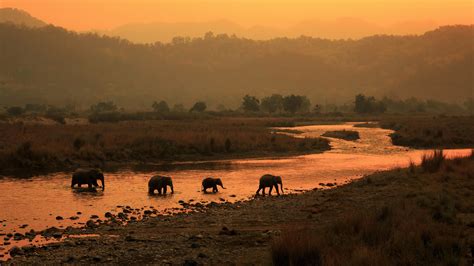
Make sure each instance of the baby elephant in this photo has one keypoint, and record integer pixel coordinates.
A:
(211, 183)
(87, 176)
(160, 183)
(270, 181)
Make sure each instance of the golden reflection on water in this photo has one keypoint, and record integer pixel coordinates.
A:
(37, 201)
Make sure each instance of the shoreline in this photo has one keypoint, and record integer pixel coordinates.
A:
(243, 232)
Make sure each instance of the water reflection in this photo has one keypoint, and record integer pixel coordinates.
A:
(39, 200)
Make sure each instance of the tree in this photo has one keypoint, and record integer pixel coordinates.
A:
(198, 107)
(296, 103)
(15, 110)
(103, 107)
(272, 104)
(366, 105)
(161, 107)
(250, 104)
(317, 109)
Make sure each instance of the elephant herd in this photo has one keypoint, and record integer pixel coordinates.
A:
(160, 183)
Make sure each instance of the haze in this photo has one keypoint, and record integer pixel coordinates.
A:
(107, 14)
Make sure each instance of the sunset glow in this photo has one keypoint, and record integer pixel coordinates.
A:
(106, 14)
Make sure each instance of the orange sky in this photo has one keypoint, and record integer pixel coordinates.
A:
(105, 14)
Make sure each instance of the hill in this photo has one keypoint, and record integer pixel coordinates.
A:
(20, 17)
(53, 65)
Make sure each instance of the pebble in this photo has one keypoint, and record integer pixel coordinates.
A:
(59, 218)
(94, 216)
(15, 251)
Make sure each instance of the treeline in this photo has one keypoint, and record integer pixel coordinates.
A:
(273, 105)
(54, 66)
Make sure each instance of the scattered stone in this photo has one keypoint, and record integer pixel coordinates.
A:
(147, 212)
(90, 224)
(221, 199)
(232, 196)
(6, 243)
(18, 237)
(202, 256)
(59, 218)
(94, 216)
(226, 231)
(108, 215)
(15, 251)
(190, 262)
(73, 218)
(23, 226)
(78, 213)
(57, 235)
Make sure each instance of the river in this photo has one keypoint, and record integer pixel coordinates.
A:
(36, 202)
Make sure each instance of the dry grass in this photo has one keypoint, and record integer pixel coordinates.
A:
(428, 221)
(56, 146)
(431, 132)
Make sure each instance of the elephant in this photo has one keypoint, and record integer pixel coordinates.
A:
(160, 183)
(270, 181)
(211, 183)
(87, 176)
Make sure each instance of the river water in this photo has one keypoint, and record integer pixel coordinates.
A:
(37, 201)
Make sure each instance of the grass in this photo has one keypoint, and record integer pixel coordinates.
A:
(37, 146)
(431, 131)
(342, 134)
(425, 217)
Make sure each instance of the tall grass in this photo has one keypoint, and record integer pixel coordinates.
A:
(432, 162)
(146, 141)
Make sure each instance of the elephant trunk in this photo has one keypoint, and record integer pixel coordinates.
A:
(222, 186)
(172, 190)
(281, 186)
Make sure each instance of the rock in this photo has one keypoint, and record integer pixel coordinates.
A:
(130, 238)
(232, 196)
(18, 237)
(221, 199)
(78, 213)
(94, 216)
(108, 215)
(190, 262)
(226, 231)
(147, 212)
(180, 201)
(57, 235)
(73, 218)
(23, 226)
(202, 256)
(90, 224)
(6, 243)
(16, 251)
(59, 218)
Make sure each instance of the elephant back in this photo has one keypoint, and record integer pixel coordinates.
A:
(267, 179)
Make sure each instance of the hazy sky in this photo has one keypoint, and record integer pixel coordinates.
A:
(106, 14)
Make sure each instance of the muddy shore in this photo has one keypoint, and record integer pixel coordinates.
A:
(242, 233)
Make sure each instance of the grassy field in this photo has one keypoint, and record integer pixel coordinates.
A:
(40, 147)
(431, 131)
(429, 221)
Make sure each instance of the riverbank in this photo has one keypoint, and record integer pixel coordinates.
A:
(44, 148)
(421, 214)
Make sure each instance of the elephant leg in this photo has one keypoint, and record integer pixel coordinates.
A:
(159, 191)
(278, 192)
(151, 190)
(263, 191)
(89, 185)
(215, 189)
(258, 190)
(164, 190)
(270, 191)
(79, 185)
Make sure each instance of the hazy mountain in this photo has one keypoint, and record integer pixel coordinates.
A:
(342, 28)
(20, 17)
(53, 65)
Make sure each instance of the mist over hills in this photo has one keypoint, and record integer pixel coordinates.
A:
(55, 66)
(341, 28)
(20, 17)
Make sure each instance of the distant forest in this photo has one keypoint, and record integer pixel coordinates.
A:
(50, 65)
